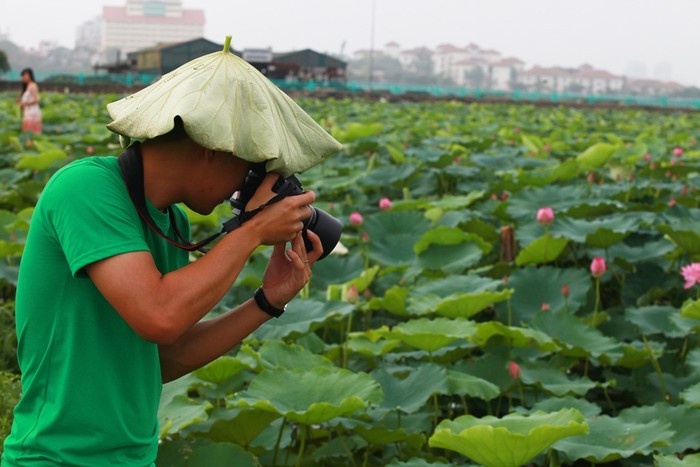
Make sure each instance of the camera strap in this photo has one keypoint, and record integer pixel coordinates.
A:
(131, 165)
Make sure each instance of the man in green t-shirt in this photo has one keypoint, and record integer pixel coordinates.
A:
(107, 309)
(109, 305)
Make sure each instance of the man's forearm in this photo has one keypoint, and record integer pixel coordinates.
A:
(209, 339)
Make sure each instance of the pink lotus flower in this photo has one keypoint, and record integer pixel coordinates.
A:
(385, 204)
(565, 290)
(672, 202)
(647, 157)
(598, 266)
(691, 274)
(513, 370)
(544, 307)
(678, 152)
(352, 295)
(89, 150)
(545, 216)
(356, 218)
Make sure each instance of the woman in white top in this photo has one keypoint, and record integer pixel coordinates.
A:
(29, 103)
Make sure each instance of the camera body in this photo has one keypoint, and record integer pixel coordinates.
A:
(327, 227)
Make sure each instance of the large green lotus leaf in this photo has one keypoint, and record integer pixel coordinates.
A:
(409, 394)
(220, 369)
(302, 317)
(449, 249)
(553, 404)
(40, 161)
(180, 412)
(310, 396)
(356, 130)
(468, 304)
(394, 301)
(452, 202)
(660, 320)
(554, 381)
(692, 359)
(431, 335)
(513, 336)
(649, 251)
(578, 339)
(276, 354)
(234, 424)
(691, 309)
(335, 269)
(596, 155)
(611, 438)
(543, 250)
(524, 205)
(510, 441)
(460, 383)
(456, 296)
(371, 343)
(683, 420)
(204, 453)
(393, 234)
(690, 460)
(687, 240)
(226, 105)
(692, 395)
(534, 287)
(379, 435)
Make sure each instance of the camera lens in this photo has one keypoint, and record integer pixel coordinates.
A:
(327, 227)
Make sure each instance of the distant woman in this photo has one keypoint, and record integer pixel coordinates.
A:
(29, 103)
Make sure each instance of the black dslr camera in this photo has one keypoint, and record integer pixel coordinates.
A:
(327, 227)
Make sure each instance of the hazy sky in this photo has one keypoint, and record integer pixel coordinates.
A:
(649, 38)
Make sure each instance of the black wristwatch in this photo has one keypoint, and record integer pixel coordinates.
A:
(265, 306)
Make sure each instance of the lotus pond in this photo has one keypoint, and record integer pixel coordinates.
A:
(508, 291)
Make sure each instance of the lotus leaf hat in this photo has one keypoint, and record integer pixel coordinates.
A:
(225, 104)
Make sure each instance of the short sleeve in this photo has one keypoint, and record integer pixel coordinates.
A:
(92, 217)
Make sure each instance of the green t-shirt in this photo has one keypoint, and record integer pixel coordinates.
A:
(90, 385)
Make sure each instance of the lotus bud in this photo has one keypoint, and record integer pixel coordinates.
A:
(513, 370)
(598, 267)
(545, 216)
(356, 218)
(385, 204)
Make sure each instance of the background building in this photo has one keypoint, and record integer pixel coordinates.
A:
(145, 23)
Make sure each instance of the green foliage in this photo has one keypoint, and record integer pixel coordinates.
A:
(459, 336)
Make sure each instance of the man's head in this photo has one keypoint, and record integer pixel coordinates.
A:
(183, 171)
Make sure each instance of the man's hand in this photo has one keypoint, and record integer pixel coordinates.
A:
(286, 274)
(281, 221)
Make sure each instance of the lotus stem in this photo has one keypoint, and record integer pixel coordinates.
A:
(227, 43)
(279, 440)
(304, 435)
(657, 368)
(597, 300)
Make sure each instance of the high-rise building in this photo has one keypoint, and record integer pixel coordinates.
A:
(144, 23)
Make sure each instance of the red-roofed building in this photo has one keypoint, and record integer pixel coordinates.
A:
(144, 23)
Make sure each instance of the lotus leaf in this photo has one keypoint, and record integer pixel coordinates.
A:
(276, 354)
(691, 460)
(691, 309)
(239, 425)
(514, 336)
(310, 396)
(683, 420)
(692, 395)
(181, 412)
(409, 394)
(302, 317)
(543, 250)
(220, 369)
(460, 383)
(510, 441)
(226, 105)
(392, 236)
(611, 438)
(204, 453)
(431, 335)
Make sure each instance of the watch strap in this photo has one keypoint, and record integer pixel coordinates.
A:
(265, 306)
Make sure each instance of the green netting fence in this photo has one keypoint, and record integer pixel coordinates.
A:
(129, 80)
